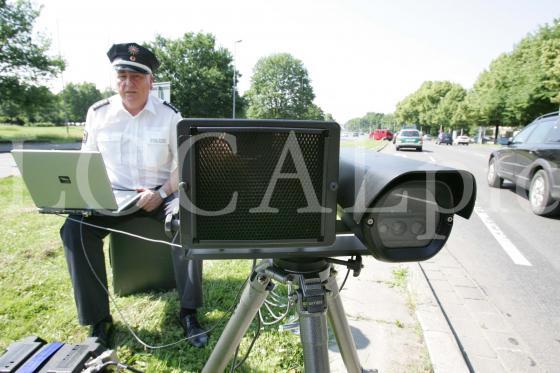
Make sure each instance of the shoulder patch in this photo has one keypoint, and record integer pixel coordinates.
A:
(171, 106)
(100, 104)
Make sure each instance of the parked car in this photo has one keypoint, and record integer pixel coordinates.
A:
(381, 134)
(462, 140)
(409, 138)
(444, 138)
(427, 137)
(531, 160)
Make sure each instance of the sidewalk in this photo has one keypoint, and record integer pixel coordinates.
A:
(486, 337)
(396, 329)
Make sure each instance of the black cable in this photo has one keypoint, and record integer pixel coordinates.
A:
(257, 335)
(346, 277)
(232, 369)
(127, 325)
(344, 282)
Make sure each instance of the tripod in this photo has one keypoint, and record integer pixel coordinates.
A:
(317, 295)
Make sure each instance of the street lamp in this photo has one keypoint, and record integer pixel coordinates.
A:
(234, 80)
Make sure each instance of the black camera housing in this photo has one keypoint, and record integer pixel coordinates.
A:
(257, 188)
(273, 188)
(402, 210)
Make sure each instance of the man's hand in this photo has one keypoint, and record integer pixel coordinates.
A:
(149, 199)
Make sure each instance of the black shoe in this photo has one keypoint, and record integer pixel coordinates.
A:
(102, 331)
(196, 335)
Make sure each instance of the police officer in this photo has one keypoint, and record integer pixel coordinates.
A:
(136, 134)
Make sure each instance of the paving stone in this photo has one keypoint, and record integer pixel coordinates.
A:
(441, 286)
(517, 361)
(450, 297)
(453, 310)
(455, 270)
(468, 292)
(475, 345)
(449, 358)
(434, 274)
(465, 325)
(492, 321)
(431, 319)
(461, 281)
(486, 365)
(479, 305)
(505, 340)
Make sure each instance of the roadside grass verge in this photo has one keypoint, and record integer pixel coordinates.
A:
(362, 143)
(36, 299)
(59, 134)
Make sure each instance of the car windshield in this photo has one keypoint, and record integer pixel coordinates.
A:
(409, 134)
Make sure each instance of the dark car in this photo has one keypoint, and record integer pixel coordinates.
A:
(530, 160)
(444, 138)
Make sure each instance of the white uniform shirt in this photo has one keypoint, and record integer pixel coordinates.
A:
(139, 151)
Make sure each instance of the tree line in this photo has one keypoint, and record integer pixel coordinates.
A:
(515, 88)
(201, 76)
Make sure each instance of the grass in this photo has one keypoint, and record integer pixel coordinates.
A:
(400, 276)
(61, 134)
(36, 299)
(362, 143)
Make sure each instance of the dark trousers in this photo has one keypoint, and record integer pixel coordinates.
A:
(91, 299)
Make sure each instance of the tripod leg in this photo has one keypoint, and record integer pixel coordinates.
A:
(339, 323)
(251, 300)
(314, 339)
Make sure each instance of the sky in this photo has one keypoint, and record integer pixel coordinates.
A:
(361, 55)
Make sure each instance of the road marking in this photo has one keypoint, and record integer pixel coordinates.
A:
(432, 159)
(500, 236)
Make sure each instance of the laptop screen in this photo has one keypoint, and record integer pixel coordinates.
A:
(66, 179)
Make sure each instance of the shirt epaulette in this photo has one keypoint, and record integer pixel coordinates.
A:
(100, 104)
(171, 106)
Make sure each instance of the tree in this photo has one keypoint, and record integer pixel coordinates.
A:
(370, 122)
(108, 92)
(24, 62)
(280, 88)
(77, 98)
(200, 74)
(433, 105)
(520, 85)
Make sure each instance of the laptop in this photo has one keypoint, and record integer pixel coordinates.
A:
(71, 182)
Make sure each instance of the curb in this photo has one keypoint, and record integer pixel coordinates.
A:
(445, 353)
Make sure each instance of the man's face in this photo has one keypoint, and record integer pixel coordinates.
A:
(134, 89)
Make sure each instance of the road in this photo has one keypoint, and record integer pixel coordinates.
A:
(511, 255)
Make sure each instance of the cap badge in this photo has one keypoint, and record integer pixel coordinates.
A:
(133, 50)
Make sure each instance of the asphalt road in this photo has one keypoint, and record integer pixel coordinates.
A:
(510, 253)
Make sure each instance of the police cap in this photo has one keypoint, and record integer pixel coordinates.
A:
(132, 57)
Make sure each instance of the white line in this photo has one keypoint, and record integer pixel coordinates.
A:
(500, 236)
(432, 159)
